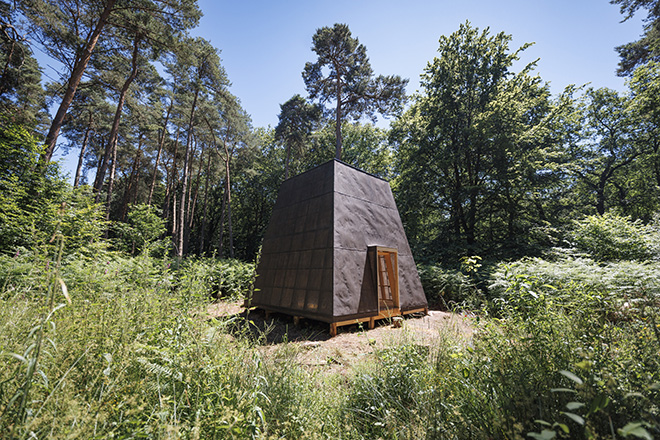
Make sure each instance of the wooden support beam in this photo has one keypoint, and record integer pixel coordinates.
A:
(424, 310)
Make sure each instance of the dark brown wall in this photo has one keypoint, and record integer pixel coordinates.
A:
(314, 257)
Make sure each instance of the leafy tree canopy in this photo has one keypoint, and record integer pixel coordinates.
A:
(342, 74)
(647, 48)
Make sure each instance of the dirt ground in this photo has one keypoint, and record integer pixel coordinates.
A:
(354, 343)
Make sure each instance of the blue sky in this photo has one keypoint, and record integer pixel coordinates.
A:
(265, 44)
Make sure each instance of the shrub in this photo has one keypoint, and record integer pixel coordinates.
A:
(449, 288)
(141, 231)
(229, 279)
(386, 400)
(31, 194)
(612, 237)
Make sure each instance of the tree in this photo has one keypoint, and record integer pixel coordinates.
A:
(200, 79)
(234, 132)
(297, 120)
(342, 73)
(609, 143)
(472, 147)
(69, 31)
(258, 176)
(365, 147)
(647, 48)
(29, 197)
(110, 155)
(86, 125)
(21, 93)
(645, 95)
(142, 36)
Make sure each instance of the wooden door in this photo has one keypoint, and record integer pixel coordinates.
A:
(388, 279)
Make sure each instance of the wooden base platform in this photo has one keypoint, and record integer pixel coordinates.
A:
(385, 314)
(372, 319)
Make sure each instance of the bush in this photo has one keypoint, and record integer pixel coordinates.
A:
(36, 204)
(598, 321)
(31, 194)
(612, 237)
(123, 347)
(622, 283)
(386, 400)
(141, 231)
(229, 279)
(448, 288)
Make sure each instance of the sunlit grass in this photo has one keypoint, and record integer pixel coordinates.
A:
(134, 356)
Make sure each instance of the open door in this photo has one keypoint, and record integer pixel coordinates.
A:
(387, 269)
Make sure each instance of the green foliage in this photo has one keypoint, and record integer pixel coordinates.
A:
(477, 152)
(229, 279)
(612, 237)
(342, 73)
(35, 202)
(364, 146)
(151, 362)
(143, 227)
(609, 147)
(297, 120)
(255, 190)
(645, 50)
(386, 399)
(21, 95)
(133, 353)
(449, 288)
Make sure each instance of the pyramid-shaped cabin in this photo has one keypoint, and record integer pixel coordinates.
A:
(335, 251)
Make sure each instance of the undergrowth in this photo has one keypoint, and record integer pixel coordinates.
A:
(101, 345)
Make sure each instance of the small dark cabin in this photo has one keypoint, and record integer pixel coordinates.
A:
(335, 251)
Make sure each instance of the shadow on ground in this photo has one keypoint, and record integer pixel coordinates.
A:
(279, 328)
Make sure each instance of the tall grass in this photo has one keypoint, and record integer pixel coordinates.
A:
(134, 355)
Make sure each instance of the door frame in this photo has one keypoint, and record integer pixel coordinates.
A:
(392, 271)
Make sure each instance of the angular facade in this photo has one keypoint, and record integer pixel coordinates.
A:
(335, 250)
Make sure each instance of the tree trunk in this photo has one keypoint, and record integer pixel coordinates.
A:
(136, 186)
(111, 149)
(228, 155)
(3, 79)
(132, 181)
(111, 182)
(161, 142)
(81, 158)
(286, 162)
(223, 209)
(171, 177)
(338, 122)
(202, 232)
(175, 226)
(190, 201)
(196, 192)
(600, 199)
(184, 185)
(76, 75)
(230, 230)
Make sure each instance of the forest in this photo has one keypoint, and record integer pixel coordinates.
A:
(536, 216)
